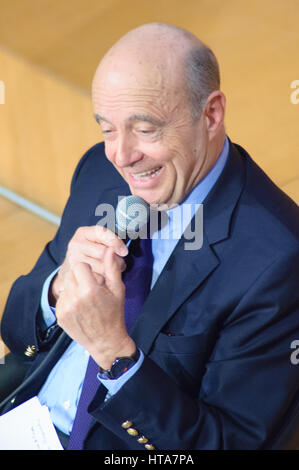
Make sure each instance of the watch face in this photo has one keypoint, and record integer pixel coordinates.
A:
(120, 366)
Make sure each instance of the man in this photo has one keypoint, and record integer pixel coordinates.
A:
(210, 350)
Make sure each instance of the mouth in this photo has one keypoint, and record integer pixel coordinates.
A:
(146, 175)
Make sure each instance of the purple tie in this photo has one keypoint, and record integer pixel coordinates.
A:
(137, 279)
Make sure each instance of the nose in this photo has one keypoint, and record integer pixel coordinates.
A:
(126, 152)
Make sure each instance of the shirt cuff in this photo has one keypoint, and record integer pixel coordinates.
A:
(48, 312)
(114, 385)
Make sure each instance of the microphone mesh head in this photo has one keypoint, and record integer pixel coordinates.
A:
(132, 213)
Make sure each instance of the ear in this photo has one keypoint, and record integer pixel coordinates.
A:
(214, 113)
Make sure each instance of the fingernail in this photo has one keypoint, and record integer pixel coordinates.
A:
(124, 250)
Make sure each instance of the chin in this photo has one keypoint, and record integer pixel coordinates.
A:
(146, 196)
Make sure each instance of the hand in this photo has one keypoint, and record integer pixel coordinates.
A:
(88, 245)
(91, 310)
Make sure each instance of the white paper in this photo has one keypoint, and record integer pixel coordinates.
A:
(28, 427)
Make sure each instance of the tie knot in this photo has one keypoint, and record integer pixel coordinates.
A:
(140, 253)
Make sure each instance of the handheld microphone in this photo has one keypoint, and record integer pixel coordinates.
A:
(132, 215)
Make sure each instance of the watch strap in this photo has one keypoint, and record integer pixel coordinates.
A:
(119, 366)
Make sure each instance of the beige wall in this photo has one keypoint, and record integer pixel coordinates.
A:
(23, 236)
(45, 127)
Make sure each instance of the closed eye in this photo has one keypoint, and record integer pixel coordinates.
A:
(107, 131)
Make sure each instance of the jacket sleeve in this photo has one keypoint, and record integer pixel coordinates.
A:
(19, 321)
(248, 385)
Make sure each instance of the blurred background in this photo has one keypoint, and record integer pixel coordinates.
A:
(49, 50)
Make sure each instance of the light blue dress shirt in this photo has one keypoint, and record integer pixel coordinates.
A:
(62, 389)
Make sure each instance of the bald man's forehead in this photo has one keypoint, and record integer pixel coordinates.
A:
(140, 90)
(141, 69)
(128, 67)
(143, 102)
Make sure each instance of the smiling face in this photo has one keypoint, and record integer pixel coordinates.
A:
(150, 135)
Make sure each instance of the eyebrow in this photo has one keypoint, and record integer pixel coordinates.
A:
(134, 117)
(100, 118)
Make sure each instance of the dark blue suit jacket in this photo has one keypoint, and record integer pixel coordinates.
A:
(216, 329)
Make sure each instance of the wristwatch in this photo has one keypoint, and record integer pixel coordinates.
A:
(119, 366)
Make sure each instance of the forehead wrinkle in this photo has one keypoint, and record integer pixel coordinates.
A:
(145, 118)
(122, 100)
(130, 93)
(148, 106)
(133, 118)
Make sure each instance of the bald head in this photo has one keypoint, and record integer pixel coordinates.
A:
(171, 53)
(158, 39)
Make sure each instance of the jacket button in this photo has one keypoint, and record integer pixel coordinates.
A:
(30, 351)
(132, 432)
(126, 424)
(142, 440)
(149, 447)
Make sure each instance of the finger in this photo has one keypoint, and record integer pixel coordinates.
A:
(69, 282)
(99, 234)
(97, 266)
(67, 290)
(83, 275)
(113, 278)
(93, 250)
(99, 278)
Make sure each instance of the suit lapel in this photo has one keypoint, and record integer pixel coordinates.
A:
(182, 274)
(186, 270)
